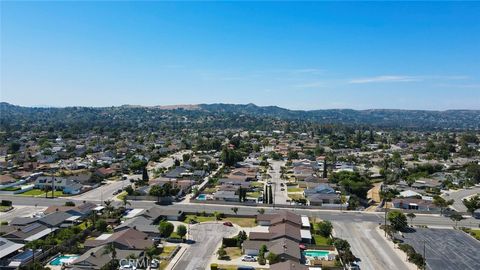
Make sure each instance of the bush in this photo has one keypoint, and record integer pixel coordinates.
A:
(101, 225)
(213, 266)
(324, 228)
(230, 242)
(6, 203)
(165, 228)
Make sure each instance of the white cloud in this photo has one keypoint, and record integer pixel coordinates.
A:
(310, 85)
(386, 78)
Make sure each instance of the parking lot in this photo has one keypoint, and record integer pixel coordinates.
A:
(446, 249)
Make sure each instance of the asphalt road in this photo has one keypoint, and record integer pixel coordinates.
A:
(281, 197)
(366, 244)
(207, 238)
(104, 192)
(332, 215)
(20, 211)
(446, 249)
(458, 197)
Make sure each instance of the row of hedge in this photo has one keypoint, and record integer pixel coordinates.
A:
(413, 256)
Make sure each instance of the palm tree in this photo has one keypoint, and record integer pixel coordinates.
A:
(108, 207)
(261, 211)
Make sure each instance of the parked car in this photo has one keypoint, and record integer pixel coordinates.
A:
(282, 189)
(228, 223)
(248, 258)
(281, 184)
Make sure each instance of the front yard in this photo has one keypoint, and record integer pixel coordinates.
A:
(240, 221)
(294, 189)
(39, 192)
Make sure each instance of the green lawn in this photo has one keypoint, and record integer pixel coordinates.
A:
(242, 222)
(33, 192)
(122, 195)
(233, 252)
(167, 250)
(475, 233)
(41, 193)
(209, 190)
(5, 208)
(320, 240)
(294, 189)
(257, 184)
(255, 194)
(295, 196)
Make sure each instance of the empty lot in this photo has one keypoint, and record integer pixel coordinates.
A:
(207, 237)
(446, 249)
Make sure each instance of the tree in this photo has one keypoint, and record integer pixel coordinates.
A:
(101, 225)
(261, 211)
(411, 216)
(177, 162)
(472, 204)
(165, 228)
(108, 207)
(235, 210)
(181, 230)
(398, 220)
(261, 255)
(69, 203)
(273, 258)
(456, 217)
(442, 203)
(324, 228)
(221, 253)
(145, 177)
(217, 215)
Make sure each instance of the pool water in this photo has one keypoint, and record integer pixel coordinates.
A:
(202, 197)
(63, 259)
(316, 253)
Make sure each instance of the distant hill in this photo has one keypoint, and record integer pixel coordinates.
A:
(202, 113)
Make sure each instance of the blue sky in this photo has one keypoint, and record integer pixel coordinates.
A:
(295, 55)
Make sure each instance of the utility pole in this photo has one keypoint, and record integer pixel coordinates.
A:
(424, 257)
(385, 207)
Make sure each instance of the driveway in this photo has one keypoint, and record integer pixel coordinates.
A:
(207, 237)
(367, 245)
(446, 249)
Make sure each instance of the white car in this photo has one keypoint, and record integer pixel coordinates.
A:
(248, 258)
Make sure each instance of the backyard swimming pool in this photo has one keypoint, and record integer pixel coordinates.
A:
(316, 253)
(202, 197)
(59, 260)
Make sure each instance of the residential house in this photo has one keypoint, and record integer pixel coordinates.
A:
(129, 239)
(414, 203)
(97, 257)
(68, 186)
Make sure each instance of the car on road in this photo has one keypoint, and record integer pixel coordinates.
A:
(282, 189)
(228, 223)
(248, 258)
(281, 184)
(269, 182)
